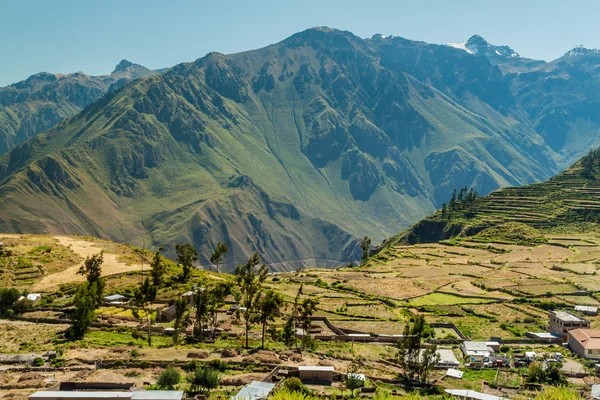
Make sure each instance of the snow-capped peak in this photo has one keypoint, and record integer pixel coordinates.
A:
(581, 51)
(479, 46)
(378, 36)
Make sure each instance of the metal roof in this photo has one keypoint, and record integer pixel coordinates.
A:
(566, 316)
(157, 395)
(55, 394)
(114, 297)
(316, 368)
(586, 309)
(544, 335)
(472, 394)
(254, 391)
(454, 373)
(596, 391)
(447, 356)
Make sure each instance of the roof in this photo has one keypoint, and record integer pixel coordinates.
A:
(589, 338)
(187, 294)
(567, 316)
(472, 394)
(544, 335)
(596, 391)
(447, 356)
(135, 395)
(477, 346)
(454, 373)
(114, 297)
(255, 390)
(316, 368)
(360, 377)
(586, 309)
(157, 395)
(51, 394)
(34, 296)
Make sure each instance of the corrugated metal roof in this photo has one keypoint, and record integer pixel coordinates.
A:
(53, 394)
(596, 391)
(316, 368)
(454, 373)
(472, 394)
(157, 395)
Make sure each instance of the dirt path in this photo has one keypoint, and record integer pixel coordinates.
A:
(84, 249)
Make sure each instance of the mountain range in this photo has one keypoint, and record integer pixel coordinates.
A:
(294, 150)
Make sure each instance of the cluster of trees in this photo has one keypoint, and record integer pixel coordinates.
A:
(546, 374)
(464, 197)
(9, 303)
(589, 163)
(201, 378)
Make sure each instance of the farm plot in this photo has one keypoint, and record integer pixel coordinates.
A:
(542, 253)
(435, 299)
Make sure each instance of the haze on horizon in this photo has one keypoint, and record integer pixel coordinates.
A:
(68, 36)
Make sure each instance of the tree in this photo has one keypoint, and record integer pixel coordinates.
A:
(143, 297)
(269, 308)
(181, 307)
(452, 202)
(352, 381)
(186, 257)
(8, 297)
(218, 254)
(444, 210)
(92, 270)
(216, 299)
(202, 314)
(158, 269)
(83, 317)
(169, 378)
(305, 311)
(249, 283)
(365, 246)
(204, 379)
(414, 360)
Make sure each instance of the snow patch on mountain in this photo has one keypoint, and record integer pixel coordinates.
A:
(479, 46)
(581, 51)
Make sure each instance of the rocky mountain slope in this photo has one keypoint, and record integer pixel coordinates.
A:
(43, 100)
(294, 150)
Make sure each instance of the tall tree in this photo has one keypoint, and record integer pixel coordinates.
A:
(158, 269)
(269, 308)
(143, 297)
(218, 254)
(305, 311)
(365, 246)
(202, 299)
(204, 379)
(181, 308)
(186, 257)
(216, 299)
(92, 270)
(249, 281)
(83, 317)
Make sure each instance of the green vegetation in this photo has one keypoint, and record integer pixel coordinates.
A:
(169, 378)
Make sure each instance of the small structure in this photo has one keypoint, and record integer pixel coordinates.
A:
(166, 314)
(454, 373)
(447, 359)
(116, 299)
(587, 310)
(476, 349)
(316, 374)
(108, 395)
(254, 391)
(188, 297)
(360, 378)
(595, 391)
(544, 337)
(31, 297)
(585, 342)
(472, 394)
(562, 322)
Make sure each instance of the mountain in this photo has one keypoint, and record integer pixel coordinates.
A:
(568, 202)
(294, 150)
(43, 100)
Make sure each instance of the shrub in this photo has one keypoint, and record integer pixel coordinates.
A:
(168, 378)
(504, 349)
(218, 365)
(144, 364)
(205, 378)
(294, 385)
(38, 362)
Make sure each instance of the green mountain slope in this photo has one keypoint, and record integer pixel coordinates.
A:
(569, 201)
(43, 100)
(293, 150)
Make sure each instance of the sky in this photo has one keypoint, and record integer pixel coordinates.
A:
(65, 36)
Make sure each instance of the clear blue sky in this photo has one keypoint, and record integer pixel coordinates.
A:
(93, 36)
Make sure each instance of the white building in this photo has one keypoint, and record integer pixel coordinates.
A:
(482, 349)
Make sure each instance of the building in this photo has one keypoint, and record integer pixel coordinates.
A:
(108, 395)
(585, 342)
(544, 337)
(562, 322)
(254, 391)
(476, 349)
(31, 297)
(116, 299)
(596, 392)
(447, 359)
(587, 310)
(472, 394)
(316, 373)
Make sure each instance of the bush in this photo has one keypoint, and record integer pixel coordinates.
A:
(504, 349)
(294, 385)
(144, 364)
(38, 362)
(218, 365)
(168, 378)
(205, 379)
